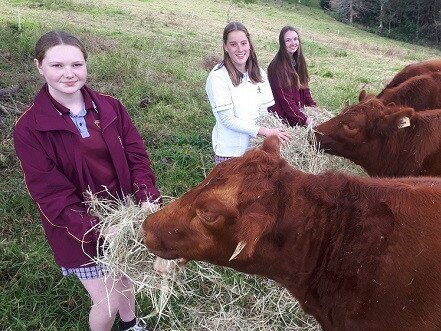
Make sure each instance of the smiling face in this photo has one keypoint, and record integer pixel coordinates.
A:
(64, 69)
(292, 42)
(237, 47)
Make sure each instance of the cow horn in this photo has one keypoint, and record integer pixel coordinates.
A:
(240, 246)
(403, 122)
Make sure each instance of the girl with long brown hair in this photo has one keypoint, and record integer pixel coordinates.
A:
(289, 79)
(239, 92)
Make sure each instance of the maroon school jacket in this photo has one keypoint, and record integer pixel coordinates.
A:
(56, 174)
(289, 102)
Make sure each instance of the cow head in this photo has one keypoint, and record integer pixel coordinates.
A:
(361, 130)
(225, 216)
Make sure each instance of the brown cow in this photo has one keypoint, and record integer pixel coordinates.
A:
(419, 92)
(358, 253)
(388, 141)
(414, 69)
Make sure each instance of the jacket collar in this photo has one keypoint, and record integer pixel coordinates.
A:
(54, 116)
(105, 109)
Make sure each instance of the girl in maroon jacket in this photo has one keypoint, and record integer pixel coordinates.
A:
(74, 139)
(288, 77)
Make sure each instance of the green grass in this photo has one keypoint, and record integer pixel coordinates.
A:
(158, 50)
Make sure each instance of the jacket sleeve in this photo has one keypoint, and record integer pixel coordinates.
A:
(141, 173)
(230, 121)
(53, 193)
(286, 101)
(307, 98)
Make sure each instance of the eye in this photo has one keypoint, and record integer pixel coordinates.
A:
(205, 215)
(349, 129)
(78, 64)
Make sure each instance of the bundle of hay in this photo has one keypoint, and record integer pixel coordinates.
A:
(301, 151)
(123, 252)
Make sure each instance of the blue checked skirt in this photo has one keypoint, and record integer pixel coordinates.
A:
(89, 272)
(218, 159)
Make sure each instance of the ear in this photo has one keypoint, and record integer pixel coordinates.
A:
(397, 120)
(271, 145)
(362, 95)
(38, 65)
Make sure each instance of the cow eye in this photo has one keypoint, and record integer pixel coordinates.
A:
(349, 130)
(206, 216)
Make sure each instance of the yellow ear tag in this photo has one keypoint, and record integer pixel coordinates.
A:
(403, 122)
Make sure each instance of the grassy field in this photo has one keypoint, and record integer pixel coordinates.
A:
(159, 52)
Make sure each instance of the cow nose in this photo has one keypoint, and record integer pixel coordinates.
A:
(150, 240)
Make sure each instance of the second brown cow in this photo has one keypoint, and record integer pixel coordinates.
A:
(358, 253)
(420, 92)
(412, 70)
(388, 141)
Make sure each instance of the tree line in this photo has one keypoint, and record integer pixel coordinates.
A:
(417, 21)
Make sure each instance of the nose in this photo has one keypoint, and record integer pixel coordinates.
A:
(68, 72)
(240, 48)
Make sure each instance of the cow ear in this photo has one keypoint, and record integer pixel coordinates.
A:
(271, 145)
(400, 119)
(362, 95)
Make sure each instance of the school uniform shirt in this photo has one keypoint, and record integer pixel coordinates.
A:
(48, 145)
(236, 109)
(289, 102)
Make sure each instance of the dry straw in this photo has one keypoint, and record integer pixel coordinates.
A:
(122, 251)
(201, 296)
(301, 151)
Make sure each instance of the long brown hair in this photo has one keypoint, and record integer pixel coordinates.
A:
(291, 71)
(251, 65)
(54, 38)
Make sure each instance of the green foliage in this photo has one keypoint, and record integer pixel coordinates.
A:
(20, 38)
(408, 20)
(30, 269)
